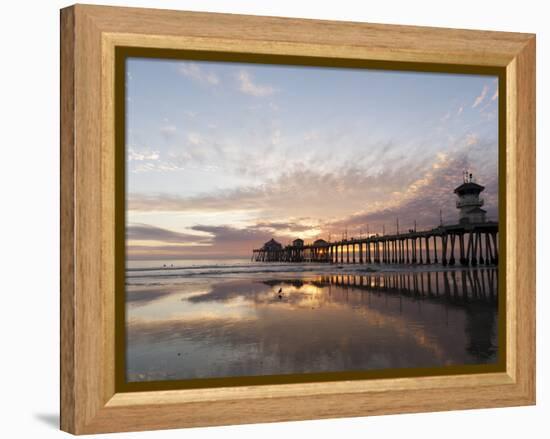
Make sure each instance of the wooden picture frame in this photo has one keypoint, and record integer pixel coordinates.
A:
(90, 36)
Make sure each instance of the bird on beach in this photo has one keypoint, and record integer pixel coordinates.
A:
(280, 293)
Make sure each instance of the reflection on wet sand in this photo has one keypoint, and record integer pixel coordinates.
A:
(245, 327)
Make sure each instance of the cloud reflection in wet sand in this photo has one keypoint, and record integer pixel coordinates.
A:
(320, 324)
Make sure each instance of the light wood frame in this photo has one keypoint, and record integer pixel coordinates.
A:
(89, 36)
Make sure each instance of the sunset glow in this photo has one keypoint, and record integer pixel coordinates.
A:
(222, 157)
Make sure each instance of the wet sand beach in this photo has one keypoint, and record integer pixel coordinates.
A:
(248, 322)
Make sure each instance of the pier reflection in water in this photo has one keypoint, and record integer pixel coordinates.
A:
(327, 323)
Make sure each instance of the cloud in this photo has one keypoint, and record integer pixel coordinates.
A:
(495, 96)
(460, 110)
(215, 242)
(248, 87)
(250, 153)
(432, 193)
(481, 96)
(194, 138)
(139, 156)
(146, 241)
(168, 252)
(295, 193)
(471, 139)
(196, 73)
(306, 188)
(291, 226)
(229, 234)
(168, 131)
(146, 232)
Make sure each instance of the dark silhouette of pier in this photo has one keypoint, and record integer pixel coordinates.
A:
(466, 244)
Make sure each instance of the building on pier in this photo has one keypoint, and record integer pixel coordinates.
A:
(320, 251)
(468, 203)
(272, 245)
(271, 251)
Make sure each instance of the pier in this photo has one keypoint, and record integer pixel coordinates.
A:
(465, 244)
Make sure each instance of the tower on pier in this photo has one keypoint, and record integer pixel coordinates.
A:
(468, 202)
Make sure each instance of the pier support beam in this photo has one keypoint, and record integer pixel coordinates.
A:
(469, 249)
(473, 260)
(474, 249)
(488, 249)
(461, 245)
(480, 244)
(400, 247)
(444, 250)
(452, 257)
(428, 250)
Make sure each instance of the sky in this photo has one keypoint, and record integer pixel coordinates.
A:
(221, 157)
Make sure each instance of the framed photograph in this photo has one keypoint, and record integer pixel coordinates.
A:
(268, 219)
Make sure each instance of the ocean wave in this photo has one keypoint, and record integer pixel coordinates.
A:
(228, 270)
(175, 275)
(208, 266)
